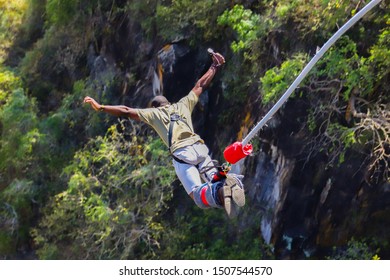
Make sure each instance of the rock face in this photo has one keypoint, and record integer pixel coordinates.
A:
(308, 208)
(301, 207)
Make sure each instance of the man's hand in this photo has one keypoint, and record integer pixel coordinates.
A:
(218, 59)
(96, 106)
(205, 80)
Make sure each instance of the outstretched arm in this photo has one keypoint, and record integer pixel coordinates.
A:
(118, 110)
(205, 80)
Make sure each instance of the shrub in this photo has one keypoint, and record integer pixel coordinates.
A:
(356, 250)
(245, 23)
(277, 80)
(16, 212)
(11, 16)
(117, 186)
(8, 82)
(185, 19)
(19, 136)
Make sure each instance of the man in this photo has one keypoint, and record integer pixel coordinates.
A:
(190, 155)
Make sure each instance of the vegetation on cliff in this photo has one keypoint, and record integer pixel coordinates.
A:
(75, 184)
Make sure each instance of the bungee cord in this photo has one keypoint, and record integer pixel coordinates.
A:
(239, 150)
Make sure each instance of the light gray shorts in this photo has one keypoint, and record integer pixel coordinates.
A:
(196, 157)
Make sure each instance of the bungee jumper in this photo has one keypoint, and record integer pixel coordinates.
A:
(209, 186)
(191, 160)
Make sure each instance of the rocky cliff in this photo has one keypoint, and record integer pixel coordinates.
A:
(302, 206)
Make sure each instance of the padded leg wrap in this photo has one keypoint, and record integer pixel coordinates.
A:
(206, 195)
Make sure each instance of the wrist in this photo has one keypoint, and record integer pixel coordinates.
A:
(101, 109)
(214, 67)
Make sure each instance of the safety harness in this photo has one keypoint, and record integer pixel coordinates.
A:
(174, 118)
(221, 170)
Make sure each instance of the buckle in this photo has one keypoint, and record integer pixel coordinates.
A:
(175, 117)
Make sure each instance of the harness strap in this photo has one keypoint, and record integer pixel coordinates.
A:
(178, 159)
(174, 118)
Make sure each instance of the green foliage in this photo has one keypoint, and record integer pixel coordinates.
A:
(60, 11)
(144, 12)
(114, 207)
(33, 21)
(63, 12)
(7, 243)
(118, 185)
(343, 63)
(277, 80)
(62, 129)
(343, 76)
(188, 232)
(49, 68)
(114, 199)
(336, 13)
(379, 59)
(356, 250)
(192, 234)
(284, 9)
(178, 19)
(314, 17)
(238, 85)
(19, 135)
(17, 203)
(8, 82)
(244, 22)
(341, 138)
(11, 14)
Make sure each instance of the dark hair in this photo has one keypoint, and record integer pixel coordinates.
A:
(159, 101)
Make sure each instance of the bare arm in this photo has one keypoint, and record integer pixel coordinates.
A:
(205, 80)
(116, 110)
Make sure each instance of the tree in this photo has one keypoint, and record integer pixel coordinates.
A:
(118, 186)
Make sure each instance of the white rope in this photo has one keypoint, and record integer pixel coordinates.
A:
(308, 67)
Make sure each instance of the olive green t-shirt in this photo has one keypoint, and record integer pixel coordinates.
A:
(159, 118)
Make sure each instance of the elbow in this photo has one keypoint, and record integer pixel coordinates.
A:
(132, 114)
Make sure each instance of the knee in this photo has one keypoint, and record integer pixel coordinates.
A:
(198, 196)
(204, 196)
(197, 201)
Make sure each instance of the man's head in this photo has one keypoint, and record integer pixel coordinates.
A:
(159, 101)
